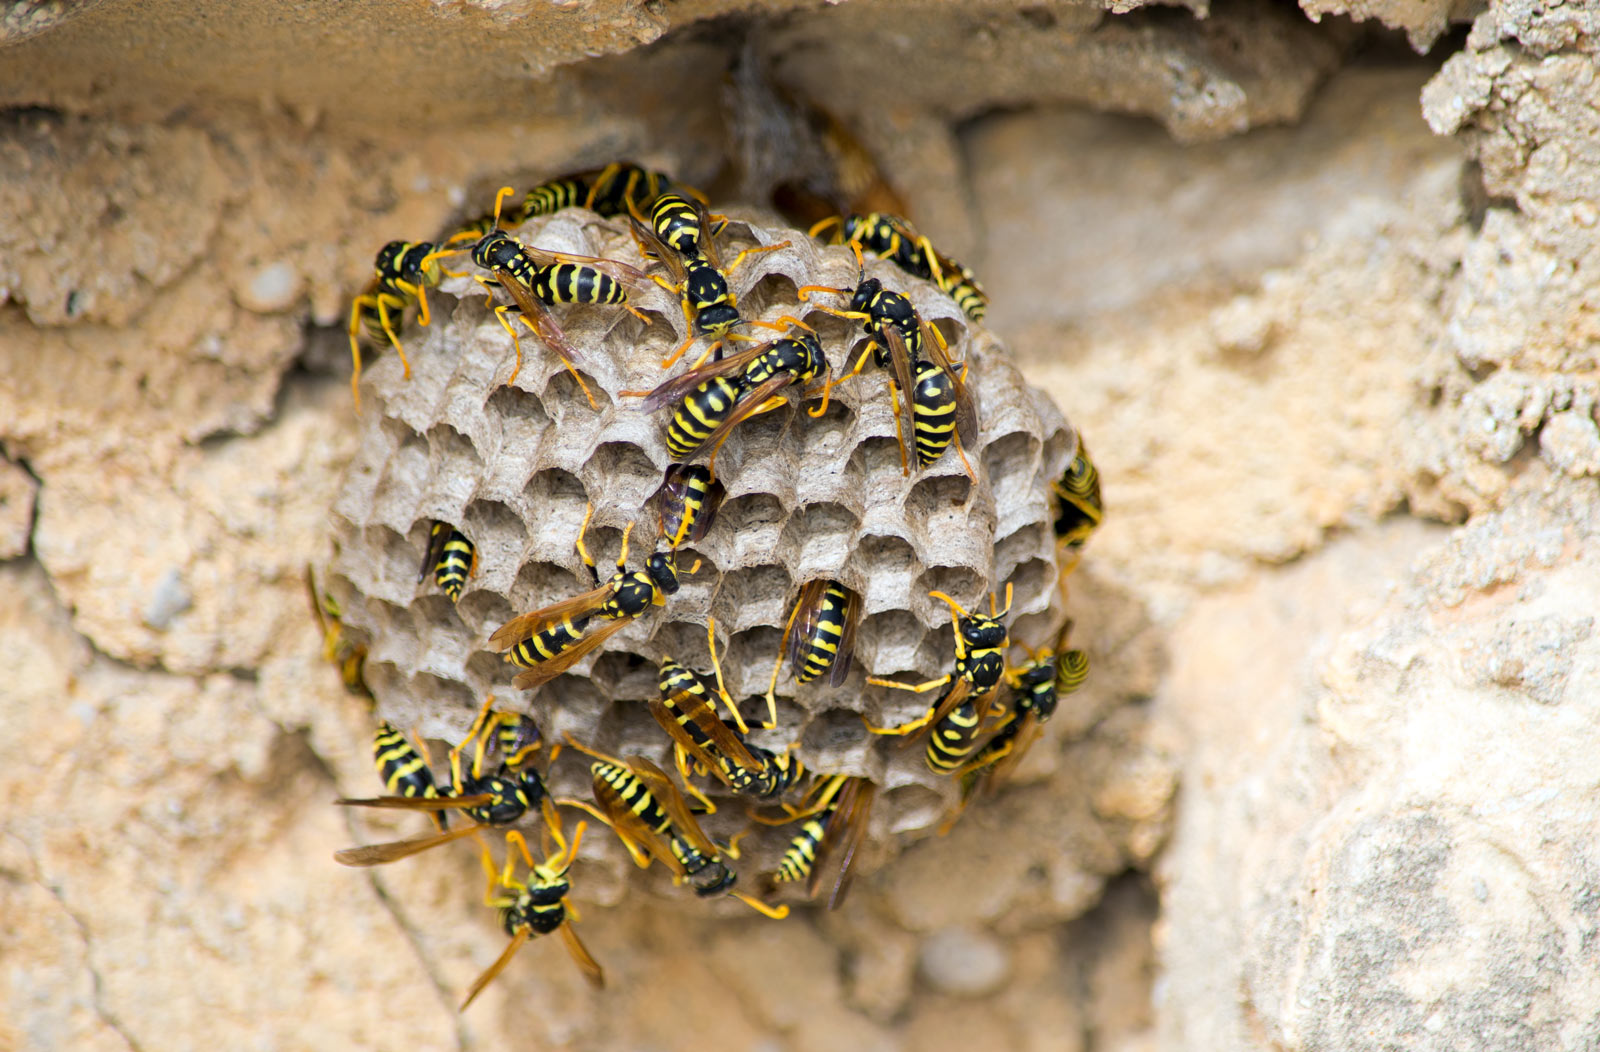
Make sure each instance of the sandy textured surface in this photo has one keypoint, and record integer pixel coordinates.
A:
(1324, 313)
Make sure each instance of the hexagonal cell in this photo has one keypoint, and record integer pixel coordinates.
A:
(817, 537)
(753, 596)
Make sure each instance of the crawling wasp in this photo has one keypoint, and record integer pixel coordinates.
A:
(680, 236)
(892, 238)
(961, 714)
(1036, 686)
(686, 711)
(548, 641)
(536, 906)
(403, 271)
(687, 501)
(489, 799)
(717, 396)
(451, 557)
(826, 614)
(1080, 509)
(832, 826)
(619, 188)
(902, 342)
(336, 647)
(533, 278)
(640, 803)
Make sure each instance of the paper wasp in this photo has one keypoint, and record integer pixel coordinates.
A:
(717, 396)
(902, 343)
(1037, 686)
(832, 827)
(827, 614)
(351, 658)
(403, 271)
(680, 237)
(640, 803)
(534, 278)
(942, 410)
(619, 188)
(1080, 510)
(495, 798)
(686, 711)
(960, 716)
(892, 238)
(536, 906)
(451, 557)
(548, 641)
(687, 501)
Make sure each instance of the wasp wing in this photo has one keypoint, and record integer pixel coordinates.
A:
(678, 387)
(497, 967)
(723, 739)
(526, 626)
(580, 955)
(394, 850)
(847, 640)
(966, 408)
(418, 803)
(666, 792)
(545, 671)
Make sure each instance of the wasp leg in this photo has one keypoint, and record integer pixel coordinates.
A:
(753, 252)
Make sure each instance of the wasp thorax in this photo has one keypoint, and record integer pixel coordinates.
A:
(824, 498)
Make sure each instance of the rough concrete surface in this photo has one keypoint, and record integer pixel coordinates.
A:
(1330, 784)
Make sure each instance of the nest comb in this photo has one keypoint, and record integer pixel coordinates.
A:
(514, 466)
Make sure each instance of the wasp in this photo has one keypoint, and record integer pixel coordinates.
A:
(351, 657)
(826, 613)
(451, 557)
(942, 409)
(1077, 496)
(881, 311)
(403, 271)
(534, 278)
(685, 710)
(686, 502)
(496, 798)
(536, 906)
(961, 714)
(1037, 686)
(832, 826)
(892, 238)
(717, 396)
(680, 237)
(643, 807)
(548, 641)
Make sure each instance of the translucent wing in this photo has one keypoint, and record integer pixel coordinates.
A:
(418, 803)
(710, 724)
(652, 246)
(394, 850)
(545, 671)
(526, 626)
(847, 640)
(676, 388)
(580, 955)
(671, 800)
(634, 832)
(966, 408)
(537, 316)
(808, 609)
(900, 362)
(497, 967)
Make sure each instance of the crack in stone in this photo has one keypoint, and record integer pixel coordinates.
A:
(97, 985)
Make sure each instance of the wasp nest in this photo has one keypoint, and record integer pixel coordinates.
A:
(515, 466)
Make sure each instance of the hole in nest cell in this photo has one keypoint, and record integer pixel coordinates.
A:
(887, 641)
(772, 294)
(1030, 579)
(880, 554)
(936, 494)
(959, 583)
(833, 730)
(877, 455)
(753, 596)
(539, 584)
(820, 532)
(1009, 462)
(487, 522)
(825, 436)
(443, 695)
(452, 452)
(519, 411)
(912, 807)
(747, 661)
(615, 673)
(562, 388)
(953, 332)
(1019, 547)
(750, 511)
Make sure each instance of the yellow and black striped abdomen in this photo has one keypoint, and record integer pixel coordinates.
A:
(677, 224)
(633, 795)
(801, 854)
(549, 198)
(1072, 668)
(576, 283)
(1077, 493)
(402, 768)
(455, 561)
(954, 737)
(933, 403)
(961, 285)
(821, 648)
(701, 412)
(547, 643)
